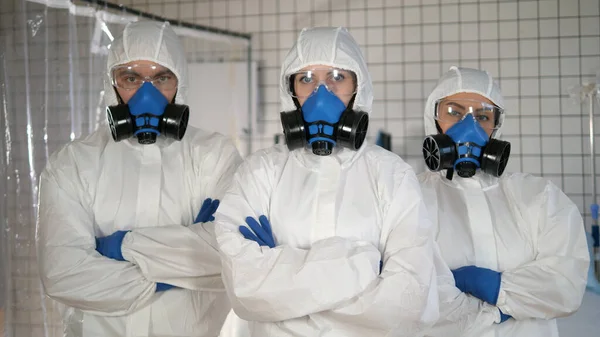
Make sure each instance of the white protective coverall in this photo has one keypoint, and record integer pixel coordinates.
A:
(333, 218)
(518, 224)
(95, 186)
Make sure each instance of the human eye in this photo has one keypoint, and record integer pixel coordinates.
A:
(306, 79)
(453, 111)
(337, 76)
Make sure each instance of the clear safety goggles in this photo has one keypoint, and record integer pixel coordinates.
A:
(339, 81)
(133, 76)
(451, 111)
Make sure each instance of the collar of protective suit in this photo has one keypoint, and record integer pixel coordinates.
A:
(479, 180)
(343, 156)
(162, 142)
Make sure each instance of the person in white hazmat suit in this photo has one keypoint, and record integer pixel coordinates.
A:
(332, 200)
(123, 241)
(513, 241)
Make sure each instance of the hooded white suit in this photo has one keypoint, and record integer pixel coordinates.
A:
(94, 186)
(334, 218)
(518, 224)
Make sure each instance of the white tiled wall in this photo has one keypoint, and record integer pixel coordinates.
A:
(536, 49)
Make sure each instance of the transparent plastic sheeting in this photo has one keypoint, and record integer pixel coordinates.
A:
(51, 94)
(52, 66)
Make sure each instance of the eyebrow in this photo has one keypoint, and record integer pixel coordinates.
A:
(455, 104)
(127, 72)
(132, 72)
(164, 72)
(340, 71)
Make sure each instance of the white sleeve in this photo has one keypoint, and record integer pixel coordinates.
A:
(553, 284)
(284, 282)
(187, 256)
(71, 270)
(460, 314)
(404, 298)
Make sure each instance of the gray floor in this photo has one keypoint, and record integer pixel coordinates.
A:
(585, 322)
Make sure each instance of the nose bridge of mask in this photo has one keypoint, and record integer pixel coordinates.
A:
(323, 105)
(307, 92)
(148, 101)
(470, 117)
(463, 116)
(329, 85)
(468, 130)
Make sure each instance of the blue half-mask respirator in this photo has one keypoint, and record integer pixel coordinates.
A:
(147, 115)
(324, 122)
(464, 148)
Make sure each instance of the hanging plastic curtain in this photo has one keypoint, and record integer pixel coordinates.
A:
(52, 66)
(51, 91)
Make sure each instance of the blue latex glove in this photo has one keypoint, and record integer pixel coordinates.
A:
(207, 211)
(163, 287)
(110, 246)
(261, 233)
(479, 282)
(503, 316)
